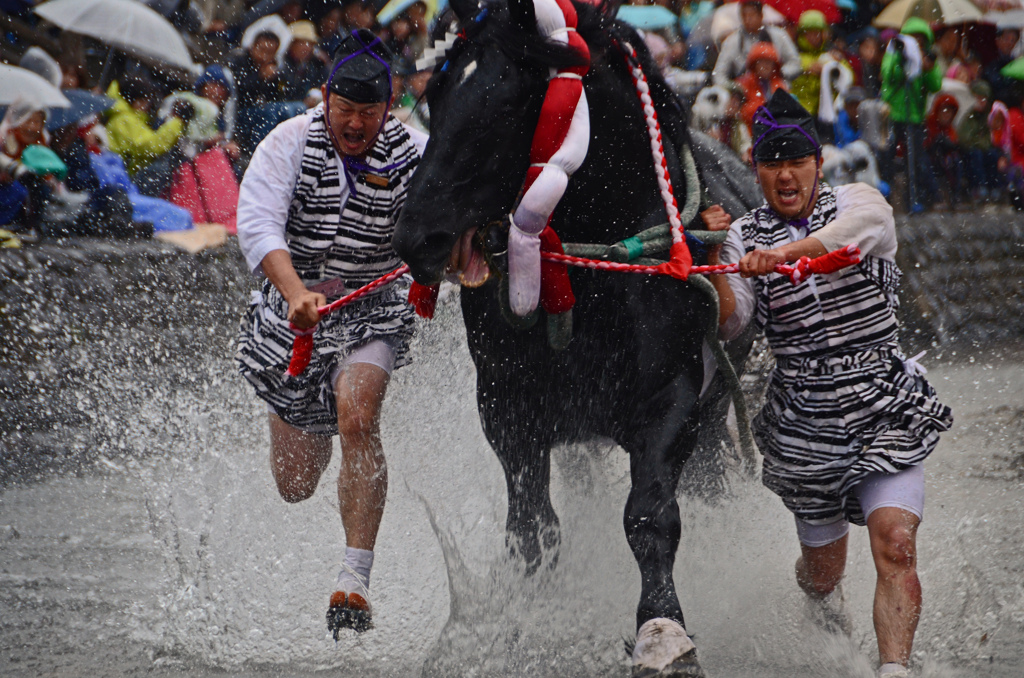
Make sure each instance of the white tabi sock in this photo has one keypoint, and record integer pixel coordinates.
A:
(892, 669)
(355, 570)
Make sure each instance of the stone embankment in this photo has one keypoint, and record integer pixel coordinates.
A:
(94, 329)
(963, 277)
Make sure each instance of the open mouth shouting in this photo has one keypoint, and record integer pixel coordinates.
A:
(353, 142)
(789, 197)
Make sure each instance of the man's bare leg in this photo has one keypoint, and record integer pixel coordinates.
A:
(297, 459)
(819, 572)
(820, 568)
(362, 490)
(363, 479)
(893, 534)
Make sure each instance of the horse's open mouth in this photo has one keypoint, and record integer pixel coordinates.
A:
(468, 261)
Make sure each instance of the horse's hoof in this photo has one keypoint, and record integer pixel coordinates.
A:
(348, 611)
(663, 650)
(686, 666)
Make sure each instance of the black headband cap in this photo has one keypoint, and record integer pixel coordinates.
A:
(776, 136)
(359, 76)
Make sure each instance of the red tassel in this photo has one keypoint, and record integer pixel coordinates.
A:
(302, 353)
(679, 262)
(555, 289)
(834, 261)
(424, 299)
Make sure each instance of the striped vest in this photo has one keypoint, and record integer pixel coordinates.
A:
(842, 312)
(350, 242)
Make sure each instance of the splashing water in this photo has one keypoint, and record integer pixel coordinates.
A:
(174, 554)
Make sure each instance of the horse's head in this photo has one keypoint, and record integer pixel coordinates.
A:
(484, 100)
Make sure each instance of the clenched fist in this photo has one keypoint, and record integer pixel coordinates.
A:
(302, 309)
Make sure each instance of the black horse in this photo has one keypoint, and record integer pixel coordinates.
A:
(633, 369)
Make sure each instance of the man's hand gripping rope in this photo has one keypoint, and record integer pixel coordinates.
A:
(797, 272)
(302, 347)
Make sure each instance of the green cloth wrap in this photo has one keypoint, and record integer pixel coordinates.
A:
(43, 161)
(633, 246)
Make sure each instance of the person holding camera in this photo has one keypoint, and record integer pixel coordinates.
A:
(909, 74)
(147, 152)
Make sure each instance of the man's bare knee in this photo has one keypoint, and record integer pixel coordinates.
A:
(895, 548)
(817, 581)
(358, 422)
(296, 487)
(297, 459)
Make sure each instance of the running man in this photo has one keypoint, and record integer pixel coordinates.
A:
(316, 211)
(848, 419)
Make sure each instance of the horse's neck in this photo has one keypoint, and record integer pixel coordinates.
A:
(614, 194)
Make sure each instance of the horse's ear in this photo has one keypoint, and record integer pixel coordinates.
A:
(524, 16)
(464, 9)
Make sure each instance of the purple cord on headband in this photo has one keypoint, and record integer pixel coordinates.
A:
(763, 116)
(350, 164)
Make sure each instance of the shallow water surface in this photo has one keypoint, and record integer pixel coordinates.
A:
(172, 554)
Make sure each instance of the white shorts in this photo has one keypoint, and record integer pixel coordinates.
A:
(904, 490)
(374, 352)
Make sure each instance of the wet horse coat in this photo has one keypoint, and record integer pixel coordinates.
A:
(633, 370)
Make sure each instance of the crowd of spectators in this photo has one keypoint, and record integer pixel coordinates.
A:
(925, 113)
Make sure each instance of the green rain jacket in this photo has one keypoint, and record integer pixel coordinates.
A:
(132, 138)
(907, 97)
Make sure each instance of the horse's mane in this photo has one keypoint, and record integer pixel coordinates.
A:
(598, 26)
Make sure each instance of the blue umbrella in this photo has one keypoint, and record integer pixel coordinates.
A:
(83, 103)
(647, 17)
(394, 8)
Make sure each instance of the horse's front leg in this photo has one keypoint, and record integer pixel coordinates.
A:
(531, 528)
(659, 442)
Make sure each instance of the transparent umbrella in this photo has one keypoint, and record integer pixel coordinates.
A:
(726, 19)
(20, 83)
(932, 11)
(127, 25)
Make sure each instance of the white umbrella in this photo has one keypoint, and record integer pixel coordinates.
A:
(127, 25)
(20, 83)
(726, 19)
(1012, 18)
(943, 11)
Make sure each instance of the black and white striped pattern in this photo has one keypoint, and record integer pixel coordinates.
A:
(848, 310)
(328, 240)
(841, 403)
(353, 243)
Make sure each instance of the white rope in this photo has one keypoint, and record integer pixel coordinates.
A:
(643, 90)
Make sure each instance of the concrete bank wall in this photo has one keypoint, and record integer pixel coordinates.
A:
(963, 277)
(93, 331)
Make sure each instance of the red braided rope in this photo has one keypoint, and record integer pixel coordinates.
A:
(797, 272)
(302, 347)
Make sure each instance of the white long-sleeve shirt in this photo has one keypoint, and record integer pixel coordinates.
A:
(862, 216)
(265, 194)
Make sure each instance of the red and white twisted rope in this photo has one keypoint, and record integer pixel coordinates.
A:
(643, 90)
(796, 272)
(680, 261)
